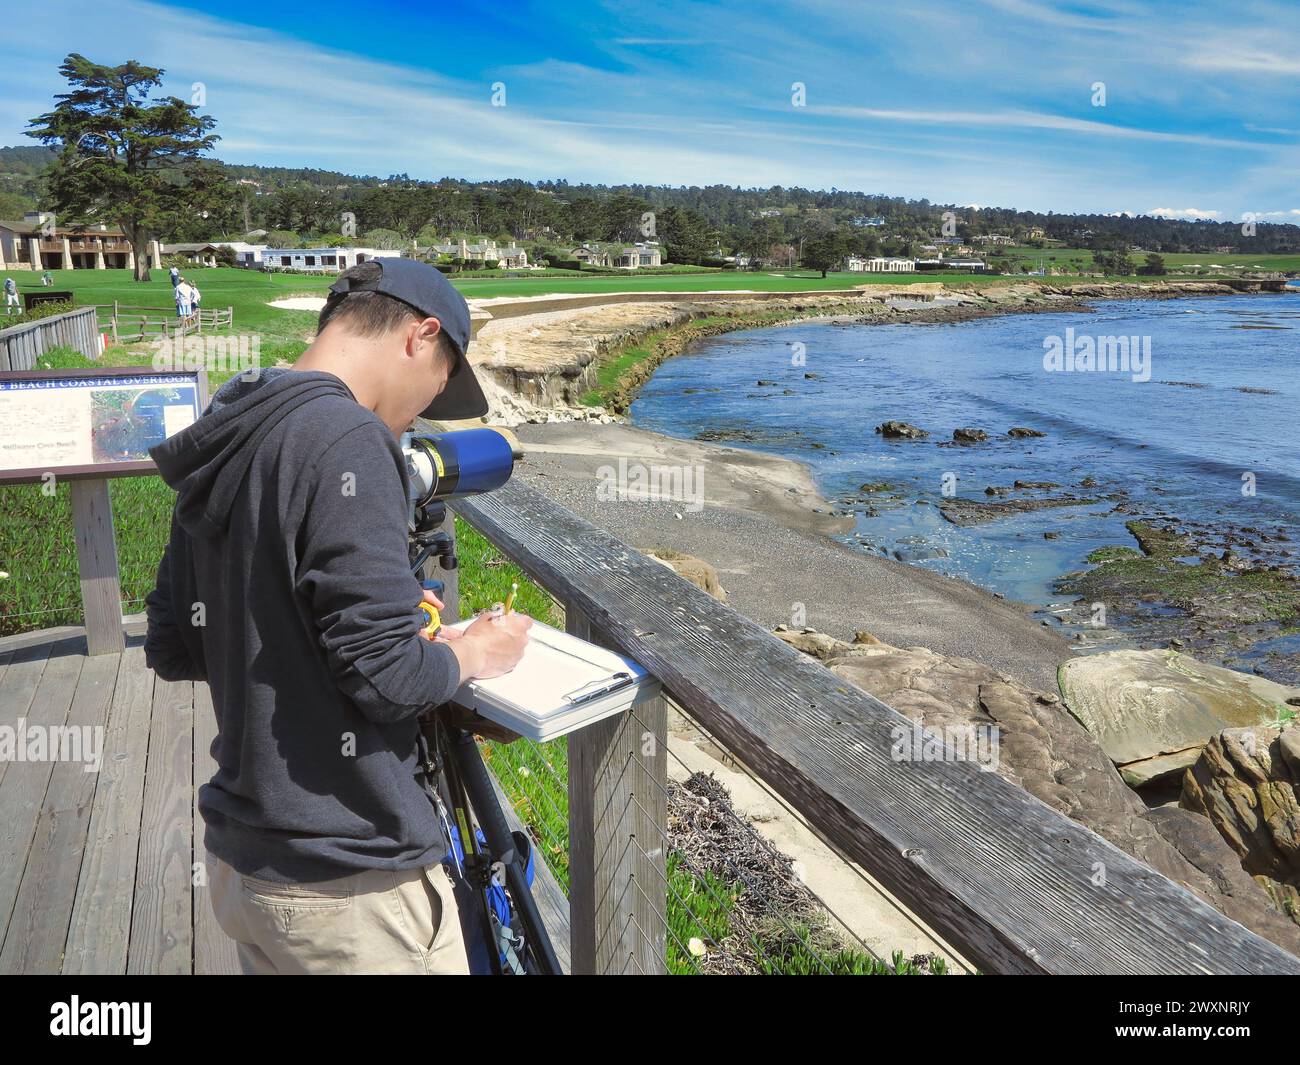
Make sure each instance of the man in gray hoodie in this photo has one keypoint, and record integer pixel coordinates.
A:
(286, 587)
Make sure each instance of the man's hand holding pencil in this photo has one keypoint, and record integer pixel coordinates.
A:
(492, 645)
(489, 647)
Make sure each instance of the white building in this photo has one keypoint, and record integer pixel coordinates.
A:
(486, 252)
(327, 260)
(620, 256)
(38, 243)
(881, 265)
(198, 254)
(245, 254)
(642, 253)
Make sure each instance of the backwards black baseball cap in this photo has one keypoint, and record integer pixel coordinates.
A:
(430, 295)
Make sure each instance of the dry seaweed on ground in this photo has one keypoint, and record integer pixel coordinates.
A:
(774, 923)
(711, 836)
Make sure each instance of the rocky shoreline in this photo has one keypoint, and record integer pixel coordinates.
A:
(546, 366)
(940, 650)
(1215, 592)
(1221, 592)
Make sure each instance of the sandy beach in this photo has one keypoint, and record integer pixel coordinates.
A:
(766, 530)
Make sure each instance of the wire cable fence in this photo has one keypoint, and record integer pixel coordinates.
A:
(13, 622)
(735, 903)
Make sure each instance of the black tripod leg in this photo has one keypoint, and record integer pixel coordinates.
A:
(460, 807)
(482, 797)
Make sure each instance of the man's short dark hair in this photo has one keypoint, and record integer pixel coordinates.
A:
(372, 314)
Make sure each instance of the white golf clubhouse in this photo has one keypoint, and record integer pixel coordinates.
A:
(317, 260)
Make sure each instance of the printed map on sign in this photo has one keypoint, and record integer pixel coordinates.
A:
(80, 421)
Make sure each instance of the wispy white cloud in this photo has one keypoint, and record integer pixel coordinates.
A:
(635, 42)
(1227, 55)
(1190, 213)
(1034, 120)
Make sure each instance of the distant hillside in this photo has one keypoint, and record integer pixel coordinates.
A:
(695, 222)
(20, 169)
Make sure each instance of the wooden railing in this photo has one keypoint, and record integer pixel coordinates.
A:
(126, 323)
(1008, 881)
(22, 345)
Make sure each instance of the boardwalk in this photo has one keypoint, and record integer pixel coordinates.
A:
(96, 869)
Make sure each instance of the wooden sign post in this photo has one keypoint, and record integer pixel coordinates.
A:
(101, 586)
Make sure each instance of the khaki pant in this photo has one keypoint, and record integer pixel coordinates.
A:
(376, 921)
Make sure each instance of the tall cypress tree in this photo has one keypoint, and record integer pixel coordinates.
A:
(127, 156)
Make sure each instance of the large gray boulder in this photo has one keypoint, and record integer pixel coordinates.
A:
(1048, 753)
(1153, 711)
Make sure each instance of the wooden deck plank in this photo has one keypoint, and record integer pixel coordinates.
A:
(162, 928)
(19, 684)
(101, 915)
(38, 928)
(214, 951)
(23, 787)
(39, 639)
(132, 625)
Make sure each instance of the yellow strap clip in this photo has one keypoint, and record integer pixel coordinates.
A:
(435, 619)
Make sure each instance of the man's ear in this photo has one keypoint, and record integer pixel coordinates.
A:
(429, 330)
(419, 332)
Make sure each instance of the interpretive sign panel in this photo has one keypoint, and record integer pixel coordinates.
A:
(77, 424)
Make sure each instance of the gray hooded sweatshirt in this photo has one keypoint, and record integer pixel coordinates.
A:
(286, 587)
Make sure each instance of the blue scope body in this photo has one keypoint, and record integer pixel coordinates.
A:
(462, 463)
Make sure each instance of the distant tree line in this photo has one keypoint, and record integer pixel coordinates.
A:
(696, 222)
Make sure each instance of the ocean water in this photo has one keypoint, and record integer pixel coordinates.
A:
(1189, 442)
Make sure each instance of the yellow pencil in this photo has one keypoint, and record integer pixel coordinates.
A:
(510, 599)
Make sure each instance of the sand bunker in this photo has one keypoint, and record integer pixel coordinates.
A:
(299, 303)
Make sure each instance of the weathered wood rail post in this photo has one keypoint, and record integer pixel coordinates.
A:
(618, 812)
(22, 345)
(618, 828)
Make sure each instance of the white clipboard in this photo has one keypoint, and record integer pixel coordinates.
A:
(562, 683)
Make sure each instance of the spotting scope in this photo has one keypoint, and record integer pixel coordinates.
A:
(442, 466)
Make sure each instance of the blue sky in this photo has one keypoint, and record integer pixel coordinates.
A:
(987, 102)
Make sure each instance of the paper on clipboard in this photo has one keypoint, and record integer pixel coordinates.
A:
(562, 683)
